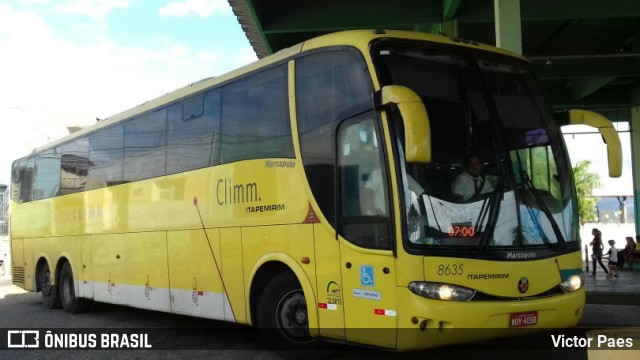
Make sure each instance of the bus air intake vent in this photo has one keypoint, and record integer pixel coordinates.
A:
(555, 291)
(18, 274)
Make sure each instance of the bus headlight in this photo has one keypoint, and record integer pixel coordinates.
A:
(573, 283)
(439, 291)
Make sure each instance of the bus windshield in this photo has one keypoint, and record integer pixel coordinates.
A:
(499, 176)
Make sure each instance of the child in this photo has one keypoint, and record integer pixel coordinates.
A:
(613, 259)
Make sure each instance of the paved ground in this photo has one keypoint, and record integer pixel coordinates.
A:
(621, 290)
(227, 341)
(611, 302)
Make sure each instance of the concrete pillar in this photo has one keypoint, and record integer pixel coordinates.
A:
(635, 162)
(508, 26)
(450, 28)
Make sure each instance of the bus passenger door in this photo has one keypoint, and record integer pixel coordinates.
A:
(365, 229)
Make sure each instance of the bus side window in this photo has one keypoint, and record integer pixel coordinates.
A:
(22, 179)
(144, 146)
(46, 183)
(74, 166)
(192, 127)
(255, 117)
(364, 198)
(106, 157)
(328, 83)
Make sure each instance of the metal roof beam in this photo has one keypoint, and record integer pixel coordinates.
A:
(579, 9)
(580, 66)
(539, 10)
(296, 16)
(449, 9)
(564, 26)
(610, 97)
(581, 88)
(337, 27)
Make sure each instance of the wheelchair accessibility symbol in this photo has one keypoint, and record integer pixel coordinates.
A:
(366, 275)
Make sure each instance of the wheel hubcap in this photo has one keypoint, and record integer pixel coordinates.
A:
(292, 317)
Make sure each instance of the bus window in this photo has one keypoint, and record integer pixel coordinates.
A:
(46, 183)
(74, 166)
(364, 197)
(22, 178)
(255, 117)
(144, 146)
(192, 127)
(106, 157)
(328, 84)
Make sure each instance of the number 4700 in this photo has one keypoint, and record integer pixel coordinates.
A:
(450, 269)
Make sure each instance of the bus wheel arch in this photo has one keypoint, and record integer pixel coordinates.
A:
(44, 284)
(263, 275)
(67, 288)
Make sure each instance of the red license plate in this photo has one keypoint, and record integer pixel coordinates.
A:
(523, 319)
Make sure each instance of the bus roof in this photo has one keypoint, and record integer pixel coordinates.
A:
(356, 38)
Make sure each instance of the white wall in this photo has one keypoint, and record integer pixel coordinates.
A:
(617, 232)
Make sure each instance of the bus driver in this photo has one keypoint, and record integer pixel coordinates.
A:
(471, 182)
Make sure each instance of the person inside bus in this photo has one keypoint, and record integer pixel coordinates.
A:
(471, 182)
(374, 201)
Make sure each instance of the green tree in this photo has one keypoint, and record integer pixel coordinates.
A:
(586, 182)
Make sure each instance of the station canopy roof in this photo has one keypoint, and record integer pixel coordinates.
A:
(585, 52)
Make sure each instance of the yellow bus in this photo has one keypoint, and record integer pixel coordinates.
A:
(320, 193)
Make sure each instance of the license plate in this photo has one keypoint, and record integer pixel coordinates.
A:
(523, 319)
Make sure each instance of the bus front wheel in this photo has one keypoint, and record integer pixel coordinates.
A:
(50, 296)
(70, 302)
(282, 315)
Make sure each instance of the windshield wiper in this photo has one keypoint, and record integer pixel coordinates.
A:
(526, 180)
(494, 208)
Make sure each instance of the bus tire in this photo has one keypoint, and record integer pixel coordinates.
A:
(70, 302)
(50, 296)
(282, 315)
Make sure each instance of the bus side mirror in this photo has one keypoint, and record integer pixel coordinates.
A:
(417, 131)
(609, 135)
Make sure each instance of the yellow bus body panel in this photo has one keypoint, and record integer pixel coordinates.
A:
(192, 243)
(500, 278)
(446, 324)
(302, 275)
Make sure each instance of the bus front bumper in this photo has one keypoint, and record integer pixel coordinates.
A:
(425, 323)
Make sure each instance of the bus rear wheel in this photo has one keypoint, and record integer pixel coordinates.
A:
(282, 316)
(50, 296)
(70, 302)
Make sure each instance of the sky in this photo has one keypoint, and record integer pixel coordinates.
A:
(584, 143)
(67, 62)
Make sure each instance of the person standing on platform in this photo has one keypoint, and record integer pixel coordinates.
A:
(596, 251)
(613, 259)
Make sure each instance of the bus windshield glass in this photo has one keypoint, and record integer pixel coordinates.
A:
(499, 177)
